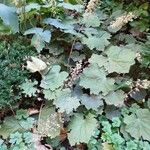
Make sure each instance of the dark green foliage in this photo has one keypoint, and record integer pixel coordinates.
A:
(11, 72)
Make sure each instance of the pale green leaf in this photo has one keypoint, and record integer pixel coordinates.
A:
(115, 98)
(9, 17)
(94, 78)
(49, 122)
(69, 6)
(91, 20)
(138, 124)
(37, 42)
(82, 129)
(98, 59)
(29, 88)
(66, 102)
(98, 42)
(9, 126)
(48, 94)
(32, 6)
(44, 34)
(54, 79)
(91, 102)
(119, 59)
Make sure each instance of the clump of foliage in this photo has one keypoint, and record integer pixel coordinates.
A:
(12, 74)
(90, 79)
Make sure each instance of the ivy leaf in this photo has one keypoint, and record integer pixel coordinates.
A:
(28, 88)
(9, 17)
(66, 102)
(91, 102)
(94, 78)
(49, 122)
(138, 124)
(98, 42)
(82, 129)
(54, 79)
(115, 98)
(90, 20)
(118, 60)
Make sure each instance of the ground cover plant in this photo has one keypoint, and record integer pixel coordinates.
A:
(74, 75)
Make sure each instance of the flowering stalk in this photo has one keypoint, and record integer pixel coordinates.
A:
(122, 20)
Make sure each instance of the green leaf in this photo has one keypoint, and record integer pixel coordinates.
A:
(9, 17)
(37, 42)
(28, 88)
(94, 78)
(66, 102)
(119, 59)
(49, 95)
(115, 98)
(40, 37)
(9, 126)
(54, 79)
(44, 34)
(32, 6)
(22, 114)
(15, 138)
(90, 20)
(28, 123)
(81, 129)
(138, 124)
(98, 42)
(49, 122)
(91, 102)
(28, 137)
(131, 145)
(69, 6)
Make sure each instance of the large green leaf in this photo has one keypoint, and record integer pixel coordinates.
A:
(9, 17)
(40, 37)
(119, 59)
(49, 122)
(138, 124)
(91, 20)
(98, 42)
(115, 98)
(91, 102)
(69, 6)
(54, 79)
(9, 126)
(94, 78)
(29, 88)
(81, 128)
(66, 102)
